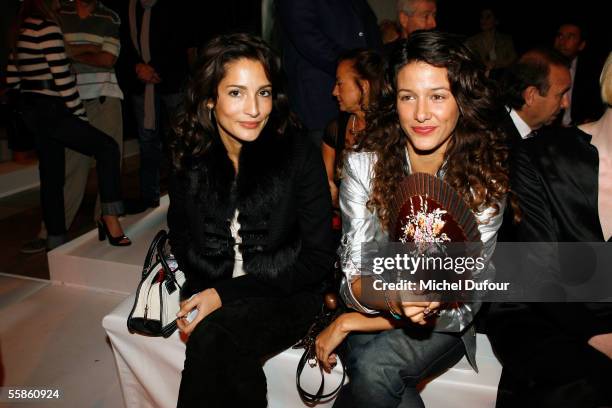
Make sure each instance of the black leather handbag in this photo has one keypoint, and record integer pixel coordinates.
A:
(158, 296)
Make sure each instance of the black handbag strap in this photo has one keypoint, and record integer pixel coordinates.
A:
(161, 256)
(153, 250)
(315, 398)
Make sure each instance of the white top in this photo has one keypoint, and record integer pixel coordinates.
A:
(522, 126)
(234, 227)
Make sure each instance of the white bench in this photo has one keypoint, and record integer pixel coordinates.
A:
(150, 371)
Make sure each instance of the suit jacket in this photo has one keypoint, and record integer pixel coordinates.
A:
(315, 34)
(555, 178)
(507, 231)
(282, 196)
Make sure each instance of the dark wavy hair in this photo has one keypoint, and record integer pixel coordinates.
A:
(476, 157)
(194, 128)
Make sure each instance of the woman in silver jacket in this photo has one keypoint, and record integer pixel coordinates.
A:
(437, 116)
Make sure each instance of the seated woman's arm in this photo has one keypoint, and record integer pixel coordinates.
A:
(336, 332)
(360, 227)
(329, 158)
(328, 151)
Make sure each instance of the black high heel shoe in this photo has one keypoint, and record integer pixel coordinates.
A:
(114, 241)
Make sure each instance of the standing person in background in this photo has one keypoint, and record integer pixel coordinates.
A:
(413, 15)
(315, 33)
(52, 109)
(584, 104)
(359, 82)
(494, 48)
(91, 33)
(160, 49)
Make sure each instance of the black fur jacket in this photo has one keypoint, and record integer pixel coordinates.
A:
(284, 208)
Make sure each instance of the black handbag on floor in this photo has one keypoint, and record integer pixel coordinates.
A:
(158, 296)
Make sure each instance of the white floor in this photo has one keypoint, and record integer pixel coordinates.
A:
(51, 333)
(51, 337)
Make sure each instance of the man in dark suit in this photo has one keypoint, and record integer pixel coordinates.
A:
(535, 90)
(554, 354)
(584, 102)
(315, 34)
(550, 351)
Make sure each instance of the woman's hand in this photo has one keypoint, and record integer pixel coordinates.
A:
(418, 312)
(205, 302)
(328, 340)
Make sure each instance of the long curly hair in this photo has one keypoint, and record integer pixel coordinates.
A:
(477, 155)
(195, 128)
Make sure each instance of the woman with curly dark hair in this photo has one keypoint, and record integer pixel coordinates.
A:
(438, 116)
(250, 223)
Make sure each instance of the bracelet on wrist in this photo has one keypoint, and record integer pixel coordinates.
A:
(392, 311)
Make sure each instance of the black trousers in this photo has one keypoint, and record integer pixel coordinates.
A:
(545, 365)
(55, 128)
(225, 352)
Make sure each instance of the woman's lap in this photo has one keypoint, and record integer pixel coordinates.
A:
(384, 368)
(267, 325)
(223, 365)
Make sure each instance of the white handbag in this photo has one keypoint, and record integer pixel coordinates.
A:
(158, 295)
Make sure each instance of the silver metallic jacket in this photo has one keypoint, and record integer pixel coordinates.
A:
(361, 226)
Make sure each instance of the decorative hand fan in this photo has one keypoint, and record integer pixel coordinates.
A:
(425, 209)
(429, 216)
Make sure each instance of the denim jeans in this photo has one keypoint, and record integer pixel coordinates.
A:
(55, 128)
(151, 140)
(385, 368)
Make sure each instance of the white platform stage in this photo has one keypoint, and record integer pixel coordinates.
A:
(87, 262)
(150, 371)
(150, 377)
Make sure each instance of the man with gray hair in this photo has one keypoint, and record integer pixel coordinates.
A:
(415, 15)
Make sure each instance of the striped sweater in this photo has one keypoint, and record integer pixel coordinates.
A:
(41, 57)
